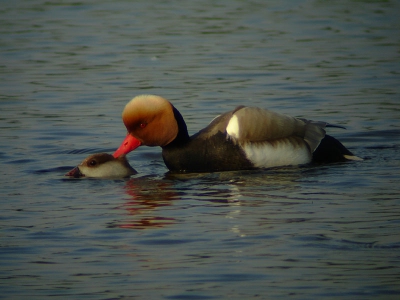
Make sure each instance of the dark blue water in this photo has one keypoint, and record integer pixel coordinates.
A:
(327, 232)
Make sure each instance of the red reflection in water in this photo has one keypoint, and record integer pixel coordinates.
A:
(146, 197)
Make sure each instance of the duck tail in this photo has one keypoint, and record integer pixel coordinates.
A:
(331, 150)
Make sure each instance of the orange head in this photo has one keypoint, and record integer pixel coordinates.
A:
(150, 121)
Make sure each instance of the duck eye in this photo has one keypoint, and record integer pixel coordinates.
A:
(92, 163)
(143, 125)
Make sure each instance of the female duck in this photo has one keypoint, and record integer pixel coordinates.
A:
(103, 165)
(242, 139)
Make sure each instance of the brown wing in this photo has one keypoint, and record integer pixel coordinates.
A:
(260, 125)
(218, 124)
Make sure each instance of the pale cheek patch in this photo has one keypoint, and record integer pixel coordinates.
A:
(233, 127)
(109, 169)
(96, 172)
(264, 155)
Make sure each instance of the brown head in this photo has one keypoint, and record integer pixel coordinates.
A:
(103, 165)
(150, 121)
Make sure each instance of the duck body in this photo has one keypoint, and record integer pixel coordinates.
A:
(103, 165)
(242, 139)
(211, 154)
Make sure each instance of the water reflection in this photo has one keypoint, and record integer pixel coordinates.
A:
(145, 196)
(152, 201)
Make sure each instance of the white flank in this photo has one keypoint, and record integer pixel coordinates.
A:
(233, 127)
(264, 155)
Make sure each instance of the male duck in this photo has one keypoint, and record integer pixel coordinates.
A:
(242, 139)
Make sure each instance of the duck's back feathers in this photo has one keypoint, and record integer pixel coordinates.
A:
(253, 124)
(218, 124)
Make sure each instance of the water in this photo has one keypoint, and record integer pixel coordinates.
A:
(326, 232)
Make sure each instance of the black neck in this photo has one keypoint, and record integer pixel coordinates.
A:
(183, 135)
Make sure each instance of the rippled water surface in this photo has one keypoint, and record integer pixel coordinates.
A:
(322, 232)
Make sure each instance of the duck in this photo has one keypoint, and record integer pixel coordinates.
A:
(244, 138)
(103, 165)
